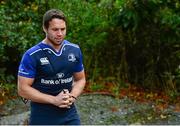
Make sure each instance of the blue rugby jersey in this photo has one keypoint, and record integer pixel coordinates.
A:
(52, 71)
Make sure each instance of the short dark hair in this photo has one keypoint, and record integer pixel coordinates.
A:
(50, 14)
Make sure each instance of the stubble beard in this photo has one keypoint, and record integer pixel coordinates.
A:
(52, 41)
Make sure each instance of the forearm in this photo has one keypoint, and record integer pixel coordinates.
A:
(78, 87)
(34, 95)
(26, 90)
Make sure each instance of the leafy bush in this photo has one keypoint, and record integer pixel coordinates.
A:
(134, 41)
(151, 41)
(19, 29)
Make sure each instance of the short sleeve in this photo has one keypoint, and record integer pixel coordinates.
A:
(79, 65)
(27, 67)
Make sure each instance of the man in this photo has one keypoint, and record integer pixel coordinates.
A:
(51, 75)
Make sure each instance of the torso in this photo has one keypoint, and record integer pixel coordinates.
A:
(52, 71)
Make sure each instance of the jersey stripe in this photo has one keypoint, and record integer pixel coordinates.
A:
(61, 49)
(35, 51)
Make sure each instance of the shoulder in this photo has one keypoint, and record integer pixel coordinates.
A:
(67, 43)
(33, 50)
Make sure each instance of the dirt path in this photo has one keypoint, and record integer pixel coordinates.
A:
(100, 109)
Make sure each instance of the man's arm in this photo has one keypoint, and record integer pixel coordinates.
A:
(79, 83)
(25, 90)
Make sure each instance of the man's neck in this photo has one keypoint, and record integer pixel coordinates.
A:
(56, 47)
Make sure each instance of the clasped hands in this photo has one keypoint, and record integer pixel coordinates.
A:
(64, 99)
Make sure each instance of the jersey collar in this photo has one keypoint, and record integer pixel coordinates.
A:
(50, 48)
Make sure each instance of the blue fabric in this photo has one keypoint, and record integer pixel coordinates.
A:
(45, 114)
(30, 60)
(52, 71)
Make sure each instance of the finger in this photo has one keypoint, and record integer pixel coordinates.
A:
(65, 91)
(65, 97)
(65, 104)
(70, 104)
(61, 93)
(70, 100)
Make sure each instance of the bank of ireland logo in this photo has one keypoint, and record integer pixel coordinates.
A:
(44, 61)
(60, 75)
(71, 57)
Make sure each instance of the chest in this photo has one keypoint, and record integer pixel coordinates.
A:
(49, 64)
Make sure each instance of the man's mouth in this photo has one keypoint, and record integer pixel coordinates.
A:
(58, 39)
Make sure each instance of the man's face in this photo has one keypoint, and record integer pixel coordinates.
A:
(56, 31)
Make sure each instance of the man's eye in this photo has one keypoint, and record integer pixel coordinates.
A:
(55, 29)
(62, 29)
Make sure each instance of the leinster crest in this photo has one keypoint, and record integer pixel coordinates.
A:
(71, 57)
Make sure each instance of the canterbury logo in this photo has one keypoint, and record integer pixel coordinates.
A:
(44, 61)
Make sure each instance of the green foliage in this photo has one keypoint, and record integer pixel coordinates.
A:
(96, 87)
(19, 29)
(88, 24)
(86, 20)
(151, 41)
(134, 41)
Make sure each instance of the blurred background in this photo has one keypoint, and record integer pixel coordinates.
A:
(126, 44)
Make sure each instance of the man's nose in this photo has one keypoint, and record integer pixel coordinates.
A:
(60, 32)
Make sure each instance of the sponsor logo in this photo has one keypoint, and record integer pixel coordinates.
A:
(71, 57)
(44, 61)
(58, 81)
(60, 75)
